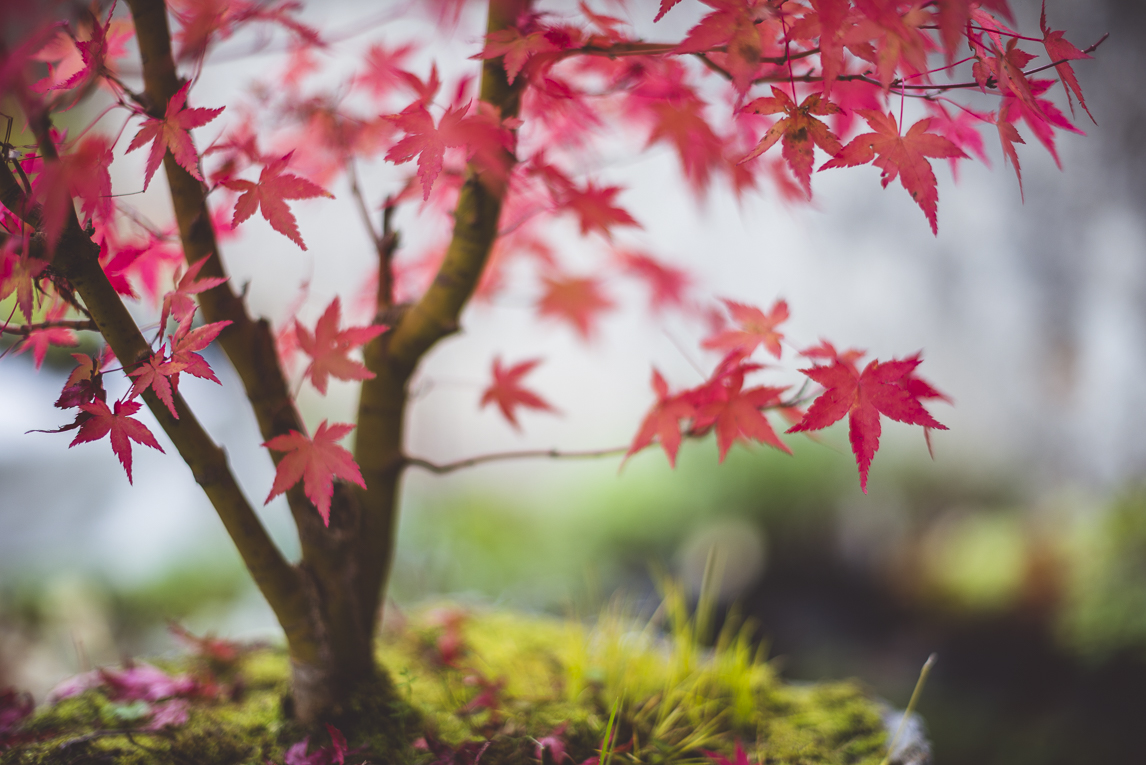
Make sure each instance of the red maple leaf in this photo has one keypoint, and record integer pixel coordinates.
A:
(316, 462)
(204, 21)
(827, 352)
(1043, 123)
(884, 388)
(904, 156)
(578, 301)
(18, 273)
(800, 131)
(328, 346)
(384, 69)
(178, 303)
(38, 341)
(156, 373)
(899, 42)
(594, 207)
(120, 425)
(186, 341)
(663, 421)
(1008, 137)
(170, 133)
(73, 61)
(830, 16)
(484, 139)
(666, 6)
(517, 48)
(507, 393)
(81, 172)
(1059, 49)
(667, 284)
(269, 196)
(682, 124)
(756, 328)
(1008, 68)
(722, 402)
(734, 25)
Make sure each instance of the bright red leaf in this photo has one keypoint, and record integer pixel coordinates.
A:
(734, 412)
(663, 421)
(667, 284)
(506, 390)
(484, 139)
(170, 134)
(269, 196)
(902, 156)
(186, 341)
(316, 462)
(800, 131)
(518, 48)
(120, 425)
(328, 347)
(178, 303)
(683, 125)
(756, 328)
(887, 388)
(160, 376)
(594, 207)
(384, 70)
(578, 301)
(733, 25)
(1061, 50)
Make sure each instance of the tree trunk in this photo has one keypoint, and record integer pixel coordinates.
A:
(329, 604)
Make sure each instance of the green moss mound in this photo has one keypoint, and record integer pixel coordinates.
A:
(496, 689)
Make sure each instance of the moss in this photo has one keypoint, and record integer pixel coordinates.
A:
(506, 682)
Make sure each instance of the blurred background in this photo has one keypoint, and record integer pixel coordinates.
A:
(1018, 554)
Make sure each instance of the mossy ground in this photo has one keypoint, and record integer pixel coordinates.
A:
(461, 680)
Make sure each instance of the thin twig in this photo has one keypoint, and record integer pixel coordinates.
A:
(449, 467)
(28, 329)
(621, 50)
(356, 192)
(898, 84)
(387, 245)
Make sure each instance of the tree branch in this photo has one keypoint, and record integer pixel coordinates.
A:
(248, 344)
(393, 356)
(621, 50)
(899, 84)
(77, 260)
(28, 329)
(449, 467)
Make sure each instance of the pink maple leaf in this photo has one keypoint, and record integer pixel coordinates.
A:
(316, 462)
(328, 346)
(269, 196)
(170, 134)
(507, 392)
(120, 425)
(756, 328)
(178, 302)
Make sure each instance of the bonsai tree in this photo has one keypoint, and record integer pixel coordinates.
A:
(757, 91)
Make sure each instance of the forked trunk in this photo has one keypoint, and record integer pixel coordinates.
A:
(329, 603)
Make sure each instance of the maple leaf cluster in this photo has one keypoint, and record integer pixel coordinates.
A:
(835, 83)
(736, 413)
